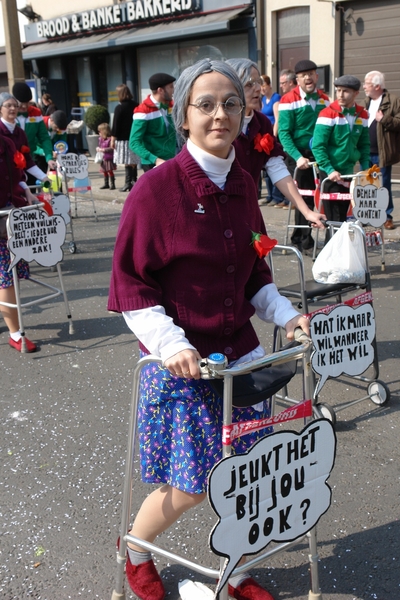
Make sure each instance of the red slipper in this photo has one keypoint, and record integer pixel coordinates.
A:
(144, 579)
(30, 346)
(249, 589)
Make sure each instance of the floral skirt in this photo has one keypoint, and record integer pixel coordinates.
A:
(6, 277)
(123, 155)
(180, 429)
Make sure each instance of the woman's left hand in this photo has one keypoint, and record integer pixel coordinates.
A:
(316, 219)
(298, 321)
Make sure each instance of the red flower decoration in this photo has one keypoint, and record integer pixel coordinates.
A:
(19, 160)
(264, 143)
(262, 244)
(25, 149)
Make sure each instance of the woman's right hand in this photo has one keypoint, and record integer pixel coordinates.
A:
(184, 364)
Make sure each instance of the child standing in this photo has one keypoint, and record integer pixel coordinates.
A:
(107, 165)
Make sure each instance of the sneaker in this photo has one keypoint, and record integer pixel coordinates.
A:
(30, 346)
(264, 201)
(249, 589)
(279, 205)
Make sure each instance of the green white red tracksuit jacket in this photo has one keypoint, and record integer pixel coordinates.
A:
(335, 145)
(297, 120)
(153, 133)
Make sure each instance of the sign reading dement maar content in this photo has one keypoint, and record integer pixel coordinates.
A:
(275, 492)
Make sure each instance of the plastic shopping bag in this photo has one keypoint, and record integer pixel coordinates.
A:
(342, 260)
(99, 157)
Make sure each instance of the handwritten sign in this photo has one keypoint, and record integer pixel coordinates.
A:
(343, 341)
(34, 235)
(74, 165)
(275, 492)
(370, 204)
(61, 206)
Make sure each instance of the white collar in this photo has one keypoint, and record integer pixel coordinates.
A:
(246, 122)
(215, 168)
(10, 126)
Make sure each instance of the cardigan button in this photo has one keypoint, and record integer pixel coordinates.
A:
(223, 199)
(228, 301)
(227, 331)
(230, 269)
(228, 233)
(228, 350)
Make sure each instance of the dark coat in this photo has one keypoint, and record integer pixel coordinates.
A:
(388, 130)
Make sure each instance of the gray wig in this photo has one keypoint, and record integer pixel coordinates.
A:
(243, 67)
(184, 85)
(4, 96)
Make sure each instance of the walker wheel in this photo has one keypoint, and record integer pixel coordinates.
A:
(72, 247)
(379, 392)
(326, 412)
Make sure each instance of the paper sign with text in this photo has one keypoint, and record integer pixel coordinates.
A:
(277, 491)
(61, 206)
(34, 235)
(370, 204)
(74, 165)
(343, 341)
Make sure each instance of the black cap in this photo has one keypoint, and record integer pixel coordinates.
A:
(22, 91)
(348, 81)
(60, 119)
(305, 65)
(160, 80)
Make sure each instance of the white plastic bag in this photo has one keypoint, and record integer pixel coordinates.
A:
(98, 157)
(342, 260)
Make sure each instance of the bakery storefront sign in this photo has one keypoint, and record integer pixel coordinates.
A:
(114, 15)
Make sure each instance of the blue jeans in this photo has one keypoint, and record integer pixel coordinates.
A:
(386, 182)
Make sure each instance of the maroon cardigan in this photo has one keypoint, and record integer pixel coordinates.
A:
(185, 244)
(250, 159)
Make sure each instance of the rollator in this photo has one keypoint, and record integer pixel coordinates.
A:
(38, 248)
(375, 233)
(312, 193)
(306, 292)
(234, 381)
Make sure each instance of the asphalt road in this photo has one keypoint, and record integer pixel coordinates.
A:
(63, 431)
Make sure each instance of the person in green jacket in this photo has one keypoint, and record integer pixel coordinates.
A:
(153, 136)
(30, 119)
(341, 139)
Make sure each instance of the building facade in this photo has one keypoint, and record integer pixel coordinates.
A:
(81, 56)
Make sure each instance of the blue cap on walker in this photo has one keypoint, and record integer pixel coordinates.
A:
(217, 357)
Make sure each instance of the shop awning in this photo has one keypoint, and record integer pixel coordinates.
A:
(211, 23)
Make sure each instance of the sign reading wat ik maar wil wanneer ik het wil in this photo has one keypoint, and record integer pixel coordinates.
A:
(125, 13)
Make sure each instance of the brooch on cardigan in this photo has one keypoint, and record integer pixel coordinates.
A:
(264, 143)
(262, 244)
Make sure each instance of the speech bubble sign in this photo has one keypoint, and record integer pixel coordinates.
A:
(342, 341)
(277, 491)
(74, 165)
(370, 204)
(34, 235)
(61, 206)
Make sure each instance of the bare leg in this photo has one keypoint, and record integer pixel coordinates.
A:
(160, 510)
(10, 314)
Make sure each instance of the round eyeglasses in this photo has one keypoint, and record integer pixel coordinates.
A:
(232, 106)
(253, 81)
(10, 105)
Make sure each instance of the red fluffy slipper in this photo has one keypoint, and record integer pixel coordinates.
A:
(249, 589)
(144, 580)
